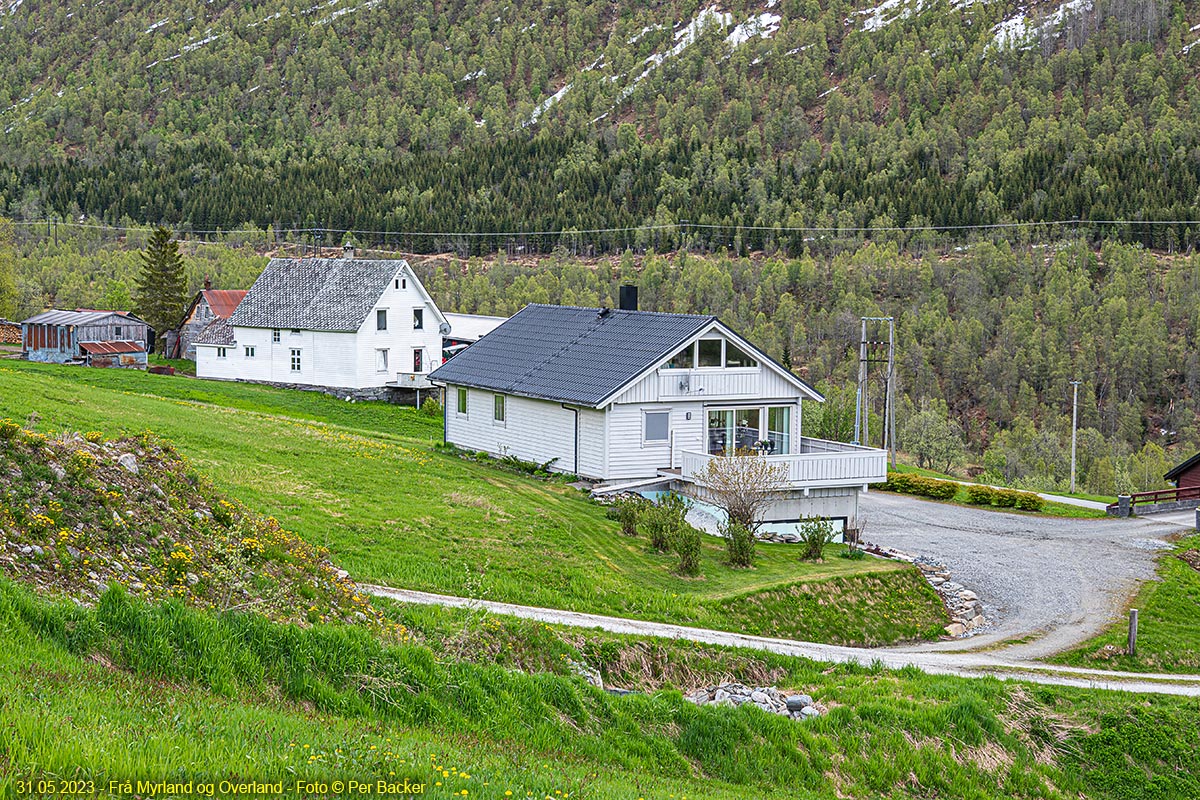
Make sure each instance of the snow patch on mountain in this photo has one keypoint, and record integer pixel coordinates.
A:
(1020, 30)
(546, 104)
(763, 25)
(889, 11)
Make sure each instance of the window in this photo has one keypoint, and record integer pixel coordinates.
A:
(779, 429)
(418, 360)
(295, 360)
(295, 331)
(381, 320)
(684, 359)
(249, 351)
(117, 332)
(381, 360)
(657, 427)
(275, 335)
(397, 283)
(222, 352)
(418, 319)
(462, 400)
(404, 283)
(498, 408)
(709, 353)
(734, 357)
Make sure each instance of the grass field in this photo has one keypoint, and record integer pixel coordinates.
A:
(364, 480)
(129, 691)
(1168, 622)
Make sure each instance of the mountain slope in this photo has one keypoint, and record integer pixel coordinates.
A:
(409, 115)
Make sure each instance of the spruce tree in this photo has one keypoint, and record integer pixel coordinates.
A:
(8, 270)
(161, 289)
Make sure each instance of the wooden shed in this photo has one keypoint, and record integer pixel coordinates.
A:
(1187, 474)
(58, 337)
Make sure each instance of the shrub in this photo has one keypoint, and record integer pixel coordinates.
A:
(1028, 501)
(627, 511)
(981, 495)
(431, 407)
(853, 553)
(940, 490)
(95, 437)
(662, 518)
(8, 429)
(739, 544)
(815, 533)
(685, 541)
(1006, 498)
(909, 483)
(81, 463)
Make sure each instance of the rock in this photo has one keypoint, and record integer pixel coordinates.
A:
(158, 491)
(798, 702)
(720, 696)
(26, 550)
(968, 595)
(192, 578)
(977, 621)
(590, 675)
(935, 580)
(760, 698)
(36, 550)
(955, 629)
(951, 587)
(73, 551)
(93, 576)
(343, 574)
(810, 711)
(59, 472)
(129, 462)
(136, 586)
(699, 698)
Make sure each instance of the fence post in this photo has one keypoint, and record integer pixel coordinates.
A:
(1133, 619)
(1124, 505)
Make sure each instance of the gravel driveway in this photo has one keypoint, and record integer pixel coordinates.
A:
(1055, 582)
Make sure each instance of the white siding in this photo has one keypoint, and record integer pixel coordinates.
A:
(709, 384)
(593, 440)
(400, 338)
(629, 456)
(533, 430)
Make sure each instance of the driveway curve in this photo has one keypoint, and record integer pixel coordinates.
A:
(1047, 582)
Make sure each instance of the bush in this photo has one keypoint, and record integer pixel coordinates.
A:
(662, 518)
(627, 511)
(981, 495)
(431, 407)
(739, 544)
(8, 429)
(95, 437)
(1007, 498)
(1028, 501)
(685, 541)
(815, 533)
(909, 483)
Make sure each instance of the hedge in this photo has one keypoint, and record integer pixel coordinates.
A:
(908, 483)
(977, 494)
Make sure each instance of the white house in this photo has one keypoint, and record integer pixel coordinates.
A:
(343, 323)
(623, 396)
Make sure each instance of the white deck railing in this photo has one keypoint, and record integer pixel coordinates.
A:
(819, 464)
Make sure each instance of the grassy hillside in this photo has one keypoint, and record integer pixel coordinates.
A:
(737, 117)
(391, 510)
(234, 697)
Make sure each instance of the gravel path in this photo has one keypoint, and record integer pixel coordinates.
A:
(1052, 580)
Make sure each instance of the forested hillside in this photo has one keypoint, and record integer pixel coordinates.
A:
(750, 125)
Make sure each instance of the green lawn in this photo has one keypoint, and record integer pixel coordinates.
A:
(1168, 622)
(364, 480)
(184, 365)
(129, 691)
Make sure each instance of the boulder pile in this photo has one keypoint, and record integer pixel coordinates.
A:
(768, 698)
(966, 611)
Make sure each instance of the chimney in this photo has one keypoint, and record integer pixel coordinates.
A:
(347, 251)
(207, 282)
(628, 299)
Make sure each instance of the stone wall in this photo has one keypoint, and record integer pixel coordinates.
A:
(1124, 509)
(381, 394)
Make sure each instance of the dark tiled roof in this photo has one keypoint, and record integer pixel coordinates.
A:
(218, 332)
(315, 294)
(573, 355)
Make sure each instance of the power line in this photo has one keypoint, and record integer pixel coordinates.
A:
(676, 226)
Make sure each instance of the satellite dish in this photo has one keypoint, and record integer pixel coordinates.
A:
(444, 329)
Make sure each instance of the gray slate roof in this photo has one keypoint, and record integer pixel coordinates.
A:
(572, 355)
(315, 294)
(218, 332)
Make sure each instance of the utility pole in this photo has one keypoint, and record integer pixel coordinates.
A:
(1074, 427)
(872, 351)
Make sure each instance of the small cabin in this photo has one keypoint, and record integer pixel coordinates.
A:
(87, 336)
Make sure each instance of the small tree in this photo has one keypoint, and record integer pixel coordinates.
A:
(933, 438)
(162, 286)
(661, 519)
(815, 533)
(743, 485)
(627, 511)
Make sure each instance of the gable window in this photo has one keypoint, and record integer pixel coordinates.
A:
(498, 409)
(708, 353)
(295, 360)
(275, 335)
(735, 357)
(462, 400)
(418, 319)
(397, 283)
(381, 360)
(222, 352)
(684, 359)
(657, 428)
(381, 320)
(249, 351)
(117, 332)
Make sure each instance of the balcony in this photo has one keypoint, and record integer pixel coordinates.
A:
(411, 380)
(819, 464)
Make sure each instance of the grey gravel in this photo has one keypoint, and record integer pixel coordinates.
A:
(1061, 579)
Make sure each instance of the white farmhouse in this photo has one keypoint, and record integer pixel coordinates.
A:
(341, 323)
(634, 397)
